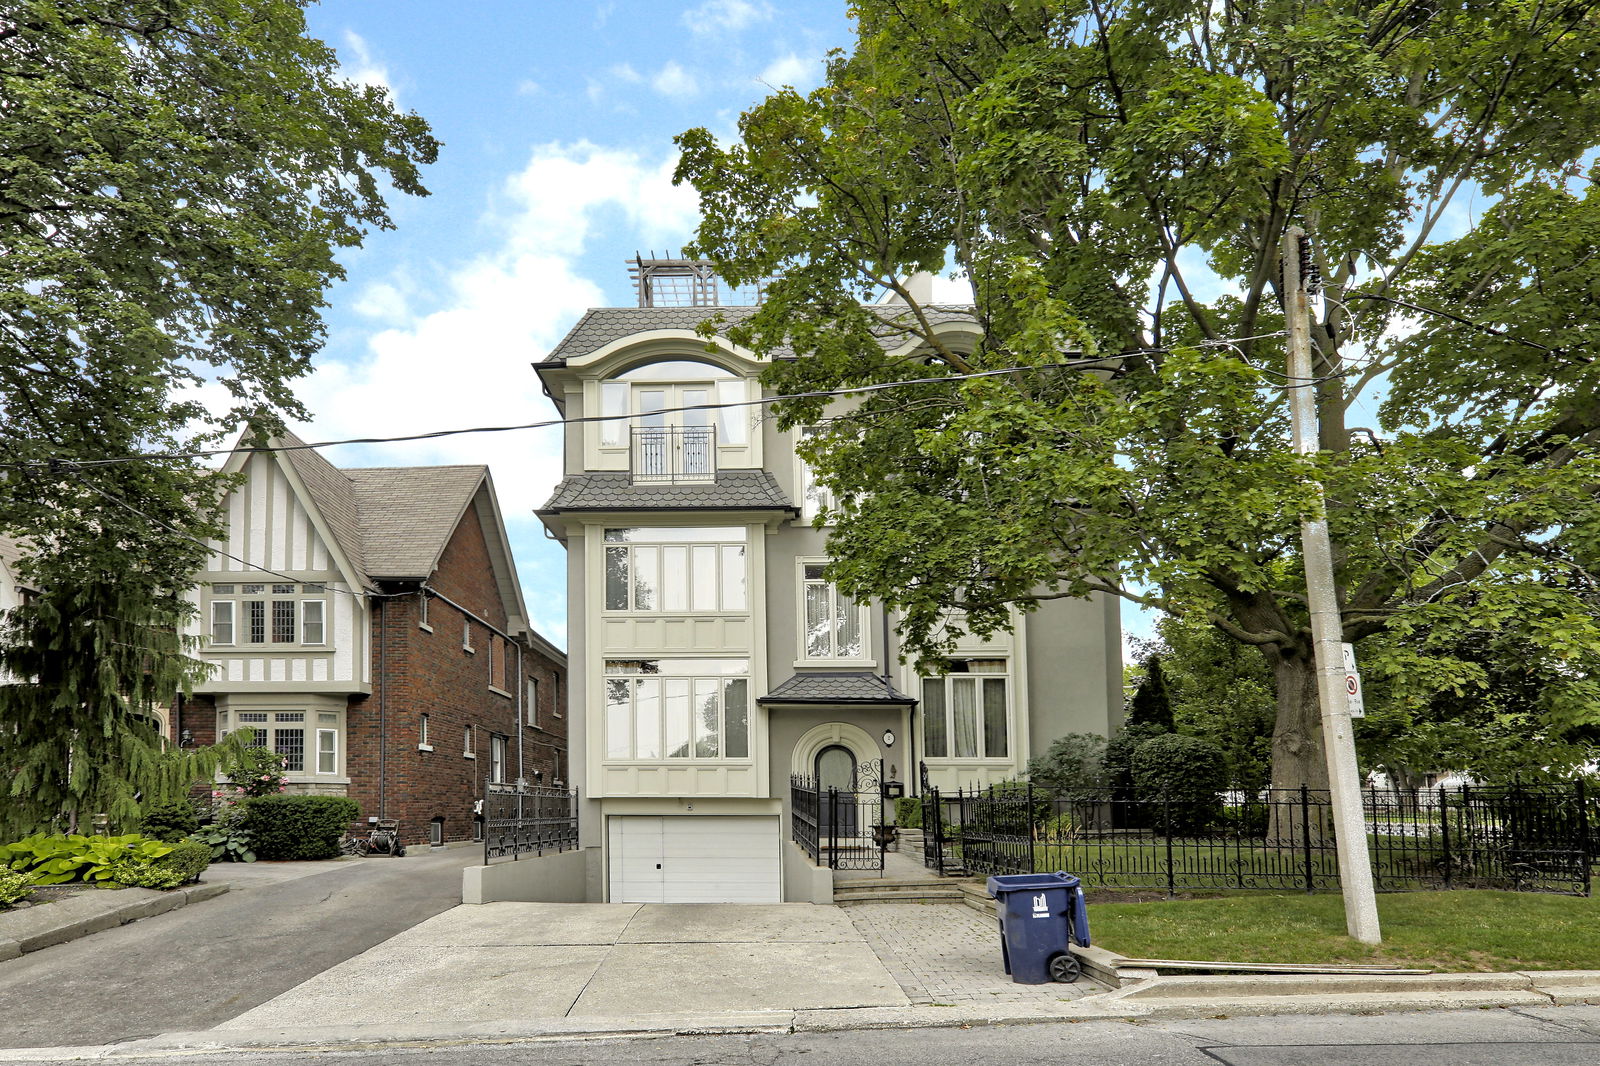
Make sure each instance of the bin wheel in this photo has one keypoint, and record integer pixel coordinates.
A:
(400, 851)
(1064, 968)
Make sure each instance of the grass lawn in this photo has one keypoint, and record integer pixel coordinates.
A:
(1458, 931)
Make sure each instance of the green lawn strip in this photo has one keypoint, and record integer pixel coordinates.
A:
(1456, 931)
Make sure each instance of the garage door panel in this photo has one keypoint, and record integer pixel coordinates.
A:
(715, 859)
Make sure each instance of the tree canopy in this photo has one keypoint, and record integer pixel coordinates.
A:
(1115, 179)
(176, 180)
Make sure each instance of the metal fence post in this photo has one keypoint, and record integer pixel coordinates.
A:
(1305, 836)
(1033, 831)
(1444, 837)
(833, 828)
(1166, 828)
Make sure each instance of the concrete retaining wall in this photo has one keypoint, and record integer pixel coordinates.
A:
(558, 878)
(803, 882)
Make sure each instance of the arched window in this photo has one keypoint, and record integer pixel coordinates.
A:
(655, 393)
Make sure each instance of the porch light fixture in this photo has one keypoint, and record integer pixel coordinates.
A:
(888, 738)
(185, 739)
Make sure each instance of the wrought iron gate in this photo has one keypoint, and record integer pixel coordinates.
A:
(842, 828)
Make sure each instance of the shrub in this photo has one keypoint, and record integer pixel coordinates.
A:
(184, 863)
(1073, 767)
(59, 858)
(255, 772)
(908, 812)
(298, 827)
(15, 887)
(171, 821)
(1182, 777)
(1059, 828)
(226, 836)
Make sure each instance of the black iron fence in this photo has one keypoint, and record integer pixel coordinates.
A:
(841, 828)
(1533, 838)
(528, 821)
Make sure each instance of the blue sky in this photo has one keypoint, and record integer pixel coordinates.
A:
(557, 121)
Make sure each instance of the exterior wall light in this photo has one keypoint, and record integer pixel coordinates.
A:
(888, 738)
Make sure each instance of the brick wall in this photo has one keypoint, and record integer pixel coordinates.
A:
(419, 671)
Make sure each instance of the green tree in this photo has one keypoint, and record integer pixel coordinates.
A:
(176, 178)
(1085, 165)
(1220, 691)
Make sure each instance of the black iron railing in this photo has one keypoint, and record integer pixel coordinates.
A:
(1533, 838)
(687, 453)
(528, 821)
(841, 828)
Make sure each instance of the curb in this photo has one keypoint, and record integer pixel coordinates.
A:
(83, 915)
(1151, 999)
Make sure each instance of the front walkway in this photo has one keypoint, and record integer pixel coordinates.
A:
(944, 953)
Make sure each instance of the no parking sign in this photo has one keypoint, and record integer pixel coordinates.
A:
(1352, 682)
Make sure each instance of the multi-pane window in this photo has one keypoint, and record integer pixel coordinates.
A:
(687, 568)
(965, 713)
(497, 757)
(259, 613)
(832, 622)
(651, 395)
(284, 732)
(677, 709)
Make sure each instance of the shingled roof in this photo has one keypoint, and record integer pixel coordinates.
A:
(739, 490)
(390, 521)
(856, 686)
(599, 326)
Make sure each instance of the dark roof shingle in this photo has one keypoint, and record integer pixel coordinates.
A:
(742, 490)
(408, 513)
(857, 686)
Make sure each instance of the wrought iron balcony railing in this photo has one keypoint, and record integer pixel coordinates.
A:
(687, 453)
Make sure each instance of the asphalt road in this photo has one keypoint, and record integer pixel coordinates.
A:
(1556, 1036)
(200, 965)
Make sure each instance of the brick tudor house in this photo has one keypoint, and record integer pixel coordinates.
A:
(368, 624)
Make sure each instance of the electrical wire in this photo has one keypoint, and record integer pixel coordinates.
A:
(1088, 362)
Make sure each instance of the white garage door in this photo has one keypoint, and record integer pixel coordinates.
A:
(679, 859)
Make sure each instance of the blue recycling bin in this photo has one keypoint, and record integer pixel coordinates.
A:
(1040, 916)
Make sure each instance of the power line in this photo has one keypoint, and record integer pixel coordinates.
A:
(1079, 364)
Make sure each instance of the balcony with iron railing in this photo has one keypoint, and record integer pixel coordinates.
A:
(673, 454)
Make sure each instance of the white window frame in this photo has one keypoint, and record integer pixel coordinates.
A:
(498, 750)
(722, 386)
(266, 724)
(657, 543)
(233, 628)
(422, 733)
(863, 622)
(422, 613)
(532, 714)
(701, 677)
(949, 682)
(469, 742)
(319, 753)
(815, 498)
(322, 622)
(466, 636)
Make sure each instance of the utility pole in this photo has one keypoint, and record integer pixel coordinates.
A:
(1338, 739)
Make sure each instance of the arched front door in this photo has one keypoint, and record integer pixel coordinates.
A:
(835, 768)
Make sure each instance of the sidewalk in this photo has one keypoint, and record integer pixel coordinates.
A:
(510, 972)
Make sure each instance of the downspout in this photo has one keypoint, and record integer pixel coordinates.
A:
(383, 711)
(522, 685)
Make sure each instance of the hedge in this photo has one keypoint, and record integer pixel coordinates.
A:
(298, 827)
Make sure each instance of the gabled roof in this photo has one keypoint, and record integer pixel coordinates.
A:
(853, 686)
(734, 490)
(600, 326)
(332, 497)
(407, 514)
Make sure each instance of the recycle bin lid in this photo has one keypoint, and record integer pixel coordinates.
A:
(1029, 882)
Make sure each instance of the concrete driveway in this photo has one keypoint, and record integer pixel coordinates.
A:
(517, 961)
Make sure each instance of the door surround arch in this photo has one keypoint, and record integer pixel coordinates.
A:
(830, 734)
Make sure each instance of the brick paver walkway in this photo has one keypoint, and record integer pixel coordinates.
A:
(947, 953)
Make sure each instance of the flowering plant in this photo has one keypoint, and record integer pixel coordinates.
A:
(254, 772)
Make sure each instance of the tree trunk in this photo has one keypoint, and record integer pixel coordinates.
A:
(1298, 758)
(1297, 755)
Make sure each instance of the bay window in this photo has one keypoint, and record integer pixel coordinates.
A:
(966, 712)
(676, 569)
(288, 734)
(677, 709)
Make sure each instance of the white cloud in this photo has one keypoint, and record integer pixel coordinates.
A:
(672, 80)
(625, 72)
(529, 87)
(466, 362)
(793, 70)
(726, 16)
(364, 70)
